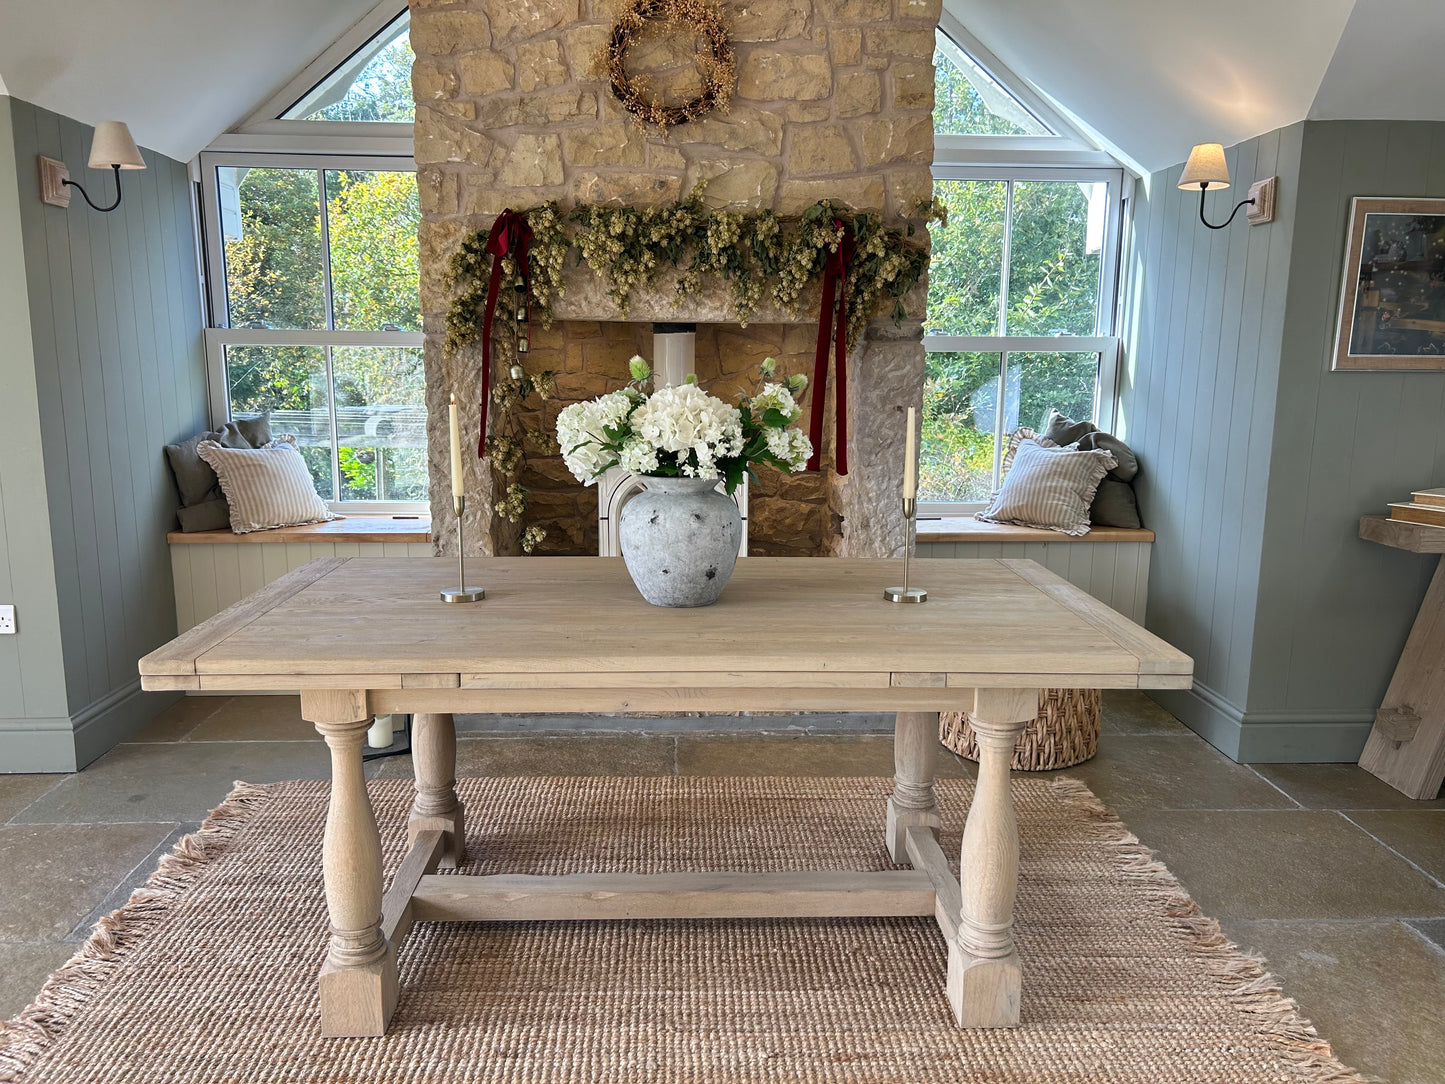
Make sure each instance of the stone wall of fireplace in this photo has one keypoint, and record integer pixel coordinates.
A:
(834, 100)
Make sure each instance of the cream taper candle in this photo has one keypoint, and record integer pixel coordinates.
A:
(910, 460)
(457, 488)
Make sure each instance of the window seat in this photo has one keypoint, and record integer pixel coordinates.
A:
(216, 569)
(1114, 567)
(968, 529)
(370, 528)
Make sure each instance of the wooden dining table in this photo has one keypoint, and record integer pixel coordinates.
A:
(358, 638)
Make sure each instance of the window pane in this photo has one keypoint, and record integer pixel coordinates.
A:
(960, 407)
(290, 382)
(372, 219)
(1055, 257)
(381, 423)
(968, 101)
(964, 272)
(271, 222)
(1034, 383)
(375, 84)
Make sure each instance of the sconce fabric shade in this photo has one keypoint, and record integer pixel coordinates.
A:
(1206, 166)
(113, 146)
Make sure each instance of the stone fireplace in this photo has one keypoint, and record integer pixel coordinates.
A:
(834, 100)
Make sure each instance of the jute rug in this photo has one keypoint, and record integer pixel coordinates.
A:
(208, 975)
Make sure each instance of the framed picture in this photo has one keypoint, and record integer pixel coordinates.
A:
(1392, 305)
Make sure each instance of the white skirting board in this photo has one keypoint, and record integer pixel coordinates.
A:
(1115, 573)
(211, 576)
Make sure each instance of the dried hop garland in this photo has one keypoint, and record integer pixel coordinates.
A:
(715, 62)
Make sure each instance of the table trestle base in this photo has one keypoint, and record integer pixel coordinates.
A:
(591, 896)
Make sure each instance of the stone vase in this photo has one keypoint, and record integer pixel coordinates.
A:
(680, 540)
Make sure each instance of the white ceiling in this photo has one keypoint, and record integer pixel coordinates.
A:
(1388, 65)
(1154, 77)
(1149, 77)
(178, 73)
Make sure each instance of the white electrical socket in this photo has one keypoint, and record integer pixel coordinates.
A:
(7, 620)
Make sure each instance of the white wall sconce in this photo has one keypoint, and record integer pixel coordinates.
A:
(1207, 168)
(110, 148)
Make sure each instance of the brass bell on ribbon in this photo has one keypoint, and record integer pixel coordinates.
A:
(523, 317)
(517, 372)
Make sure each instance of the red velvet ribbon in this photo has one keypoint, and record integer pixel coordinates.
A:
(510, 234)
(833, 330)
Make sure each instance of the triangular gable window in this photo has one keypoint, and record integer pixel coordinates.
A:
(373, 84)
(969, 101)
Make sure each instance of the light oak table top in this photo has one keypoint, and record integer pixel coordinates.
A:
(553, 626)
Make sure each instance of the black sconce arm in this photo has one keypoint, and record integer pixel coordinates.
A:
(1203, 188)
(81, 189)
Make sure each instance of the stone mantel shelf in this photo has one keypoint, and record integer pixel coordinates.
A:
(586, 299)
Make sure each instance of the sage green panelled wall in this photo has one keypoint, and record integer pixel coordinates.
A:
(1334, 611)
(120, 371)
(32, 681)
(1259, 461)
(1203, 325)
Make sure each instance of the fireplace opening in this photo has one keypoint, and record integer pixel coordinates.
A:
(783, 515)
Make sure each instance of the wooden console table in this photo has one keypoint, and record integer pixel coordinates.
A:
(1406, 746)
(359, 637)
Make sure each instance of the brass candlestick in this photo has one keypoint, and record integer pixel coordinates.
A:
(906, 593)
(462, 593)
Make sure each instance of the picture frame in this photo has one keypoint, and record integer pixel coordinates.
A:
(1392, 301)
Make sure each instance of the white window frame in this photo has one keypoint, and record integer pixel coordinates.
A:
(220, 335)
(1105, 342)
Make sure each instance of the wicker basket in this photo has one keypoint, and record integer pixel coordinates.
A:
(1065, 732)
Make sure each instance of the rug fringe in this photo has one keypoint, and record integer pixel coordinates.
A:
(1254, 991)
(25, 1037)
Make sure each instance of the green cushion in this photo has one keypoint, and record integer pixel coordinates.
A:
(196, 481)
(1115, 505)
(1090, 437)
(207, 516)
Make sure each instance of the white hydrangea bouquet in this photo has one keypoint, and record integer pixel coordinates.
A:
(683, 431)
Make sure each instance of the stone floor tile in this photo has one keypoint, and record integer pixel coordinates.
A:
(256, 718)
(120, 894)
(1432, 929)
(18, 791)
(1371, 988)
(1128, 711)
(24, 967)
(1301, 864)
(576, 754)
(179, 719)
(1173, 772)
(55, 874)
(1339, 786)
(800, 755)
(1418, 834)
(170, 783)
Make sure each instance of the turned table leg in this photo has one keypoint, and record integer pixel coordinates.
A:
(358, 982)
(915, 744)
(983, 968)
(436, 808)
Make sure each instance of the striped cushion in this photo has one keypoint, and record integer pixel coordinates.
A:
(1050, 488)
(266, 487)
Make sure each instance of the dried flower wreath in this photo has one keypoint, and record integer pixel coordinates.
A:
(715, 62)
